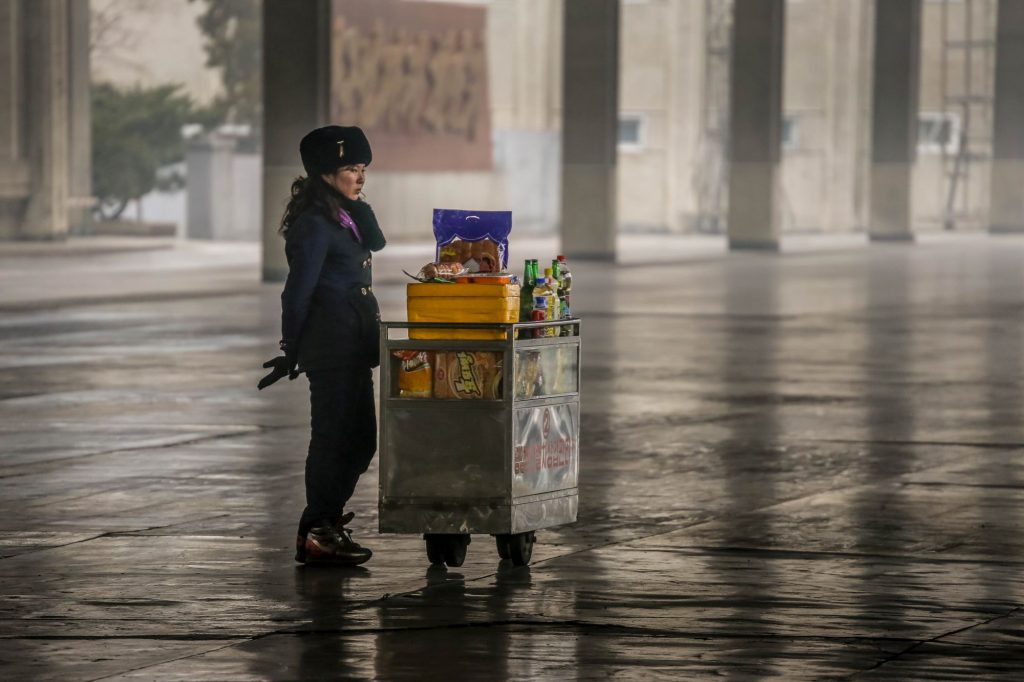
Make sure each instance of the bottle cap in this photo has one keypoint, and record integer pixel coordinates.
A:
(541, 281)
(547, 272)
(561, 259)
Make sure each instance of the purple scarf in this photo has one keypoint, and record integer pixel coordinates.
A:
(346, 221)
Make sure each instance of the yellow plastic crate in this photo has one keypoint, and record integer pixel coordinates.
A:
(433, 302)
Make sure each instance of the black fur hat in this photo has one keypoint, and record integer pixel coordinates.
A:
(327, 149)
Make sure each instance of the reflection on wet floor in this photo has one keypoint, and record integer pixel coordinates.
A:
(799, 467)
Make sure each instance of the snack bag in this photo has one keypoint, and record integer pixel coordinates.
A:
(468, 375)
(415, 373)
(529, 380)
(435, 271)
(476, 239)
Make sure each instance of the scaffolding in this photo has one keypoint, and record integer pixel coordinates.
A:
(711, 177)
(967, 90)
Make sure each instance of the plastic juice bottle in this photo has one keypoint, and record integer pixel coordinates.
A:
(565, 292)
(554, 307)
(540, 309)
(543, 290)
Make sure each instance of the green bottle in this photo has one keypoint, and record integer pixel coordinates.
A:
(526, 290)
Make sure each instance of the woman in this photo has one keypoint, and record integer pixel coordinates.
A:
(329, 330)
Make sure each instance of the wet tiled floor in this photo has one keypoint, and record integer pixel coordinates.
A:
(799, 466)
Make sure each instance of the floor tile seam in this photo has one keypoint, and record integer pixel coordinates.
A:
(704, 550)
(936, 639)
(168, 661)
(952, 444)
(136, 326)
(156, 637)
(49, 464)
(129, 299)
(141, 481)
(582, 623)
(116, 534)
(956, 484)
(137, 482)
(894, 480)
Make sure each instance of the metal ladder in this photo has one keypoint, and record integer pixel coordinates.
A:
(711, 176)
(967, 84)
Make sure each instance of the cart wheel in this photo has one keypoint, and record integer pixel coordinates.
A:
(455, 549)
(435, 548)
(502, 542)
(520, 547)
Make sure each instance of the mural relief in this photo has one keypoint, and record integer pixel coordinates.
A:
(414, 76)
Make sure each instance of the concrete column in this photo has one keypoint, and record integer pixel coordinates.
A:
(590, 128)
(755, 124)
(296, 90)
(80, 198)
(14, 185)
(1007, 185)
(210, 202)
(46, 86)
(894, 117)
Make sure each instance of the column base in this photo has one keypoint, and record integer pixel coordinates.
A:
(1006, 229)
(753, 245)
(272, 274)
(904, 238)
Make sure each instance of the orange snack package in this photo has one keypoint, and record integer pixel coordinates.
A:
(415, 373)
(468, 375)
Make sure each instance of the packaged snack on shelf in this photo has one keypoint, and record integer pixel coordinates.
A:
(446, 271)
(529, 380)
(476, 239)
(468, 375)
(415, 373)
(487, 278)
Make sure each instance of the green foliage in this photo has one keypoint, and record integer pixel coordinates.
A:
(135, 132)
(233, 30)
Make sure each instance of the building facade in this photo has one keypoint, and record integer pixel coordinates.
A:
(673, 97)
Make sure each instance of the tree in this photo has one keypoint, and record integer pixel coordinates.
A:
(234, 45)
(135, 133)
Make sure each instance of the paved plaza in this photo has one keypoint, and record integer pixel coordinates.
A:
(802, 465)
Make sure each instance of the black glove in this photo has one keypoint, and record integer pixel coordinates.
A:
(282, 365)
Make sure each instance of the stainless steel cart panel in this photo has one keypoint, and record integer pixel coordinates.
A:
(503, 465)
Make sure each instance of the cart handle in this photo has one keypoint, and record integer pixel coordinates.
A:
(508, 328)
(480, 325)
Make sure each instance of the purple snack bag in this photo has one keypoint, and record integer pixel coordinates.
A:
(472, 226)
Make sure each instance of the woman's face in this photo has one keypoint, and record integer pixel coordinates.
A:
(348, 180)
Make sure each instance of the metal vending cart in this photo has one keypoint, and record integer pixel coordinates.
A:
(506, 463)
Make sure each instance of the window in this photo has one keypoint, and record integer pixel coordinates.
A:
(938, 131)
(790, 133)
(632, 132)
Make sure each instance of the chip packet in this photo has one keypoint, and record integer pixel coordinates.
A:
(415, 373)
(468, 375)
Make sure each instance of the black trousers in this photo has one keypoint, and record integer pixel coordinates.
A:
(343, 439)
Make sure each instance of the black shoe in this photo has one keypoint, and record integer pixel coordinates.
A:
(326, 543)
(300, 540)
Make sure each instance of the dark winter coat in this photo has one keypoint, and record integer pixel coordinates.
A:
(329, 312)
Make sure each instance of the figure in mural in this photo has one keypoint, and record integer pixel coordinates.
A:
(416, 77)
(388, 80)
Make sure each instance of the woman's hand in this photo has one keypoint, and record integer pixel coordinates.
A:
(282, 365)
